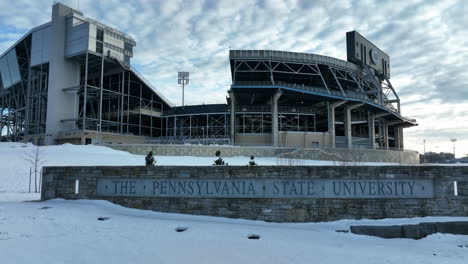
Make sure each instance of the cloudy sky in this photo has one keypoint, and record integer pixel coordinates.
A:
(427, 42)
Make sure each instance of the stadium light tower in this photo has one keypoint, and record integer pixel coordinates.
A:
(183, 80)
(453, 140)
(424, 156)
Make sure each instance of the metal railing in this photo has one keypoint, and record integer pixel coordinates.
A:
(356, 146)
(325, 92)
(281, 109)
(186, 140)
(316, 89)
(253, 108)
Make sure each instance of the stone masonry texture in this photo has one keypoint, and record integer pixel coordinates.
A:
(59, 182)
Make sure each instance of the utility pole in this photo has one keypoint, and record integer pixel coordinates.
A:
(183, 80)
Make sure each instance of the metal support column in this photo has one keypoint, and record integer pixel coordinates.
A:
(122, 110)
(161, 121)
(371, 125)
(85, 99)
(385, 134)
(100, 100)
(402, 144)
(139, 112)
(396, 133)
(397, 137)
(233, 116)
(379, 126)
(347, 122)
(167, 126)
(331, 121)
(225, 124)
(151, 116)
(274, 117)
(128, 102)
(27, 101)
(380, 134)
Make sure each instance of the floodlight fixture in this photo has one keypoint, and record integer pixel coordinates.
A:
(183, 79)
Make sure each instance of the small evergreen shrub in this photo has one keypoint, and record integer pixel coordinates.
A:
(149, 159)
(220, 160)
(252, 162)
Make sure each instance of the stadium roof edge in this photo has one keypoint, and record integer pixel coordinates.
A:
(139, 75)
(290, 56)
(24, 36)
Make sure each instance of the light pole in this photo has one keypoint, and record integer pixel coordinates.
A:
(424, 156)
(453, 140)
(183, 79)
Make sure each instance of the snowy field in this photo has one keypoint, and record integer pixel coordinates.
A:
(59, 231)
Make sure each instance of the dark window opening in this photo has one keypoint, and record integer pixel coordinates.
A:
(362, 57)
(100, 34)
(99, 47)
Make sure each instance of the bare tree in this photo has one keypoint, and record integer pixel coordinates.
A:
(36, 157)
(289, 159)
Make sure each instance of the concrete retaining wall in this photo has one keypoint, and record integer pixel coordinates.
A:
(60, 182)
(200, 150)
(417, 231)
(357, 155)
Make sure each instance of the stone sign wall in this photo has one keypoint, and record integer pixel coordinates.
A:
(266, 188)
(271, 193)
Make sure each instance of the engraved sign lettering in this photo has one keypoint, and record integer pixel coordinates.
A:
(267, 188)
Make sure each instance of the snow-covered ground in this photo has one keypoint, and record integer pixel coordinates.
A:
(14, 168)
(59, 231)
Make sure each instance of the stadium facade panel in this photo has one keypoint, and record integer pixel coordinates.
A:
(71, 80)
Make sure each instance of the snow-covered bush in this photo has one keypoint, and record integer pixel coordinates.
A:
(252, 162)
(220, 160)
(149, 159)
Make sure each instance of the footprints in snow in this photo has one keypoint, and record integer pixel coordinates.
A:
(183, 229)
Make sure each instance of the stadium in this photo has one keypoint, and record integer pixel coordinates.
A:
(71, 81)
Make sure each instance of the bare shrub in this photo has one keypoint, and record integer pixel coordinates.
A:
(289, 159)
(36, 158)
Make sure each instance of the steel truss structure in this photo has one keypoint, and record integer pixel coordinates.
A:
(345, 79)
(116, 100)
(302, 92)
(14, 99)
(111, 98)
(212, 126)
(70, 80)
(198, 126)
(260, 122)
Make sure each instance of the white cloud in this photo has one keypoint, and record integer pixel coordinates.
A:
(426, 41)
